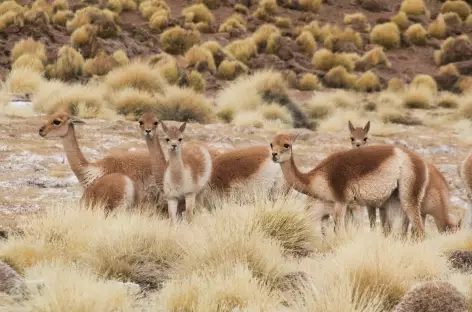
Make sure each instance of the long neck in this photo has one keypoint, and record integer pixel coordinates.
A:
(298, 180)
(74, 155)
(158, 159)
(175, 163)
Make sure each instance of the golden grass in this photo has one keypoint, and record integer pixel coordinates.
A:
(401, 19)
(324, 59)
(177, 40)
(29, 61)
(395, 84)
(238, 7)
(413, 7)
(266, 9)
(339, 77)
(311, 5)
(61, 17)
(159, 20)
(283, 22)
(416, 34)
(105, 20)
(234, 22)
(11, 18)
(23, 81)
(368, 82)
(347, 35)
(242, 49)
(262, 34)
(386, 35)
(10, 6)
(169, 70)
(121, 57)
(309, 82)
(83, 35)
(198, 56)
(132, 102)
(68, 65)
(198, 13)
(229, 70)
(197, 81)
(438, 27)
(115, 6)
(135, 75)
(456, 6)
(425, 81)
(418, 97)
(100, 65)
(372, 58)
(357, 20)
(448, 100)
(28, 46)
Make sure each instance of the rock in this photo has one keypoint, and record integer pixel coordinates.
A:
(457, 51)
(375, 5)
(464, 67)
(461, 260)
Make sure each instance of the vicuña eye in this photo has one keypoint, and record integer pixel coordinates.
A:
(167, 139)
(271, 145)
(57, 122)
(141, 123)
(365, 139)
(286, 145)
(180, 139)
(352, 139)
(155, 123)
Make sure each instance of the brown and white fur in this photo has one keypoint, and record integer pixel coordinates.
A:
(135, 165)
(372, 175)
(465, 173)
(435, 202)
(188, 170)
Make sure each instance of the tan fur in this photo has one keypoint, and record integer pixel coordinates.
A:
(367, 176)
(188, 170)
(135, 165)
(465, 173)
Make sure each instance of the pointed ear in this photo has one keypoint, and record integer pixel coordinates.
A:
(351, 127)
(294, 138)
(367, 127)
(182, 127)
(76, 121)
(164, 127)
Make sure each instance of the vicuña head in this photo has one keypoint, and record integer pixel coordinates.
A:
(148, 123)
(58, 125)
(281, 147)
(359, 134)
(173, 136)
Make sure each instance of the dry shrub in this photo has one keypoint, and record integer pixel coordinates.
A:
(324, 59)
(401, 19)
(448, 100)
(68, 65)
(177, 40)
(413, 7)
(456, 6)
(61, 17)
(238, 7)
(372, 58)
(132, 102)
(23, 81)
(464, 84)
(262, 35)
(28, 46)
(453, 50)
(311, 5)
(309, 82)
(368, 82)
(83, 35)
(29, 61)
(347, 35)
(307, 42)
(213, 46)
(313, 27)
(416, 34)
(386, 35)
(10, 7)
(339, 77)
(114, 5)
(420, 97)
(11, 18)
(150, 7)
(104, 20)
(198, 56)
(121, 57)
(266, 10)
(229, 70)
(185, 104)
(283, 22)
(358, 21)
(243, 49)
(453, 22)
(438, 28)
(100, 65)
(169, 70)
(136, 75)
(159, 20)
(425, 81)
(234, 22)
(36, 16)
(196, 81)
(395, 84)
(274, 112)
(198, 13)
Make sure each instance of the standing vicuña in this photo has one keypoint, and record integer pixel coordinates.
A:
(94, 177)
(367, 176)
(188, 170)
(465, 173)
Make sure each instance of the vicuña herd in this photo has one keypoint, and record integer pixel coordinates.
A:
(388, 178)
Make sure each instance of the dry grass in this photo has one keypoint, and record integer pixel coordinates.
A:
(29, 61)
(262, 35)
(456, 6)
(198, 13)
(132, 102)
(416, 34)
(28, 46)
(234, 22)
(229, 70)
(68, 65)
(413, 7)
(10, 7)
(266, 9)
(283, 22)
(309, 82)
(373, 58)
(104, 20)
(424, 81)
(243, 49)
(23, 81)
(401, 19)
(196, 81)
(307, 42)
(438, 27)
(346, 36)
(395, 84)
(448, 100)
(386, 35)
(197, 56)
(12, 18)
(100, 65)
(121, 57)
(339, 77)
(357, 21)
(418, 97)
(177, 40)
(368, 82)
(324, 59)
(311, 5)
(62, 17)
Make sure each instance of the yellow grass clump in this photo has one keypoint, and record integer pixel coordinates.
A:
(198, 13)
(169, 69)
(62, 16)
(230, 70)
(339, 77)
(307, 42)
(266, 9)
(311, 5)
(238, 7)
(416, 34)
(457, 6)
(242, 49)
(121, 57)
(425, 81)
(115, 6)
(29, 61)
(347, 35)
(263, 33)
(234, 22)
(386, 35)
(28, 46)
(196, 81)
(395, 84)
(438, 27)
(100, 65)
(177, 40)
(68, 65)
(150, 7)
(197, 56)
(309, 82)
(135, 75)
(420, 97)
(10, 7)
(358, 21)
(324, 59)
(368, 82)
(401, 19)
(132, 102)
(11, 18)
(372, 58)
(23, 81)
(413, 7)
(448, 100)
(104, 20)
(283, 22)
(83, 35)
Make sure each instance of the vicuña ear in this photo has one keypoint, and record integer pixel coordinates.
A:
(351, 127)
(182, 127)
(367, 127)
(164, 127)
(294, 138)
(76, 121)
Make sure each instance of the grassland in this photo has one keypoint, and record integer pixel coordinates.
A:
(238, 72)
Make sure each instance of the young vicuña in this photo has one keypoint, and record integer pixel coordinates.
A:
(188, 170)
(372, 175)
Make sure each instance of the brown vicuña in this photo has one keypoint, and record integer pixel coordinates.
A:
(131, 165)
(187, 172)
(436, 198)
(465, 173)
(373, 175)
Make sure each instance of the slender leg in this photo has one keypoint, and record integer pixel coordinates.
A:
(415, 217)
(386, 225)
(405, 225)
(339, 215)
(324, 219)
(372, 216)
(172, 205)
(190, 203)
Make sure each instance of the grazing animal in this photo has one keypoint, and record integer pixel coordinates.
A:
(465, 173)
(372, 175)
(131, 165)
(188, 170)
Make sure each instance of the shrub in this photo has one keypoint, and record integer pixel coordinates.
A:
(413, 7)
(438, 28)
(372, 58)
(339, 77)
(29, 61)
(262, 34)
(309, 82)
(266, 9)
(401, 19)
(135, 75)
(324, 59)
(148, 7)
(453, 21)
(233, 22)
(387, 35)
(448, 100)
(198, 13)
(169, 69)
(307, 42)
(104, 20)
(283, 22)
(28, 46)
(395, 84)
(198, 56)
(196, 81)
(456, 6)
(83, 35)
(416, 34)
(243, 49)
(184, 104)
(418, 97)
(311, 5)
(424, 81)
(159, 20)
(177, 40)
(115, 5)
(61, 17)
(132, 102)
(23, 81)
(229, 70)
(348, 35)
(68, 65)
(358, 21)
(11, 18)
(238, 7)
(10, 7)
(368, 82)
(100, 65)
(121, 57)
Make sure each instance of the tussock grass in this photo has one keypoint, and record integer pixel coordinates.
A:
(448, 100)
(104, 20)
(424, 81)
(309, 82)
(368, 82)
(347, 35)
(100, 65)
(23, 81)
(262, 35)
(358, 21)
(386, 35)
(325, 60)
(29, 61)
(198, 13)
(121, 57)
(438, 27)
(197, 81)
(242, 49)
(456, 6)
(266, 9)
(311, 5)
(132, 102)
(28, 46)
(11, 18)
(68, 65)
(198, 56)
(169, 69)
(177, 40)
(135, 75)
(10, 7)
(283, 22)
(234, 22)
(372, 58)
(401, 19)
(230, 70)
(416, 34)
(83, 35)
(395, 84)
(418, 97)
(61, 17)
(413, 7)
(339, 77)
(307, 42)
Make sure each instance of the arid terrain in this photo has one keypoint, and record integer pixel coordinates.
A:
(238, 72)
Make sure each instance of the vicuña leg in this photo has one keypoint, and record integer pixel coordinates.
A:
(190, 205)
(384, 220)
(339, 216)
(324, 220)
(172, 205)
(372, 211)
